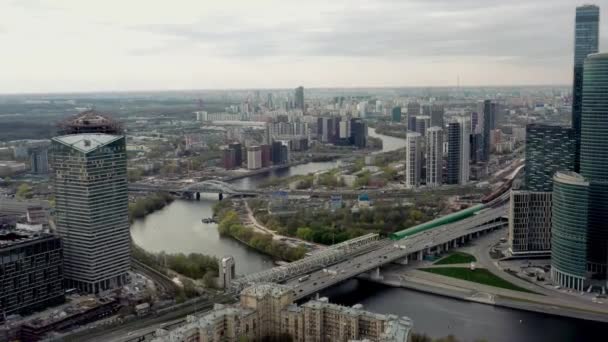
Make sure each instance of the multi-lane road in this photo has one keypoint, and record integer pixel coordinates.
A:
(389, 251)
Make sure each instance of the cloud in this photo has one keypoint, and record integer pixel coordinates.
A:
(241, 43)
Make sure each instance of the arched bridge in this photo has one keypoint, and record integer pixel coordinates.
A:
(212, 186)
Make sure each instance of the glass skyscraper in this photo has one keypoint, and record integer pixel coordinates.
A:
(594, 158)
(91, 196)
(548, 149)
(586, 38)
(569, 230)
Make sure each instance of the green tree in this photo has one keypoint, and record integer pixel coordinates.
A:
(305, 233)
(24, 191)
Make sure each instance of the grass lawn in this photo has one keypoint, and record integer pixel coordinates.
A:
(456, 258)
(479, 275)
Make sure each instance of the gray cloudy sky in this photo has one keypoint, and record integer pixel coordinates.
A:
(88, 45)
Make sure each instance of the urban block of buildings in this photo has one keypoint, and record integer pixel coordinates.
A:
(268, 311)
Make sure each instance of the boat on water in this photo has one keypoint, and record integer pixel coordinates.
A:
(209, 220)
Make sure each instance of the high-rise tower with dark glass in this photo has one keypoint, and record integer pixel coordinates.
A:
(594, 159)
(586, 37)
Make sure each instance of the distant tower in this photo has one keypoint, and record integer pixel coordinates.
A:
(434, 156)
(413, 159)
(489, 123)
(458, 151)
(227, 271)
(586, 39)
(299, 98)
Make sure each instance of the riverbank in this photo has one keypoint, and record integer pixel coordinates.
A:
(462, 290)
(144, 206)
(231, 225)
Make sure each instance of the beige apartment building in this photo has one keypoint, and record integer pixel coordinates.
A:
(268, 312)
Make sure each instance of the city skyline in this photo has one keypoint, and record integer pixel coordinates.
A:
(240, 45)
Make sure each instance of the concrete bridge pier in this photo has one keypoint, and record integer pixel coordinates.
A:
(220, 196)
(198, 196)
(420, 255)
(462, 241)
(403, 261)
(375, 274)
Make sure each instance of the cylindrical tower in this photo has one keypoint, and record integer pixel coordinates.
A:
(569, 230)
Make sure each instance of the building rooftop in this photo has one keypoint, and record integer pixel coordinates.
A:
(86, 142)
(13, 237)
(90, 121)
(570, 177)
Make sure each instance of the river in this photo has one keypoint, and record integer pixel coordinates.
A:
(178, 228)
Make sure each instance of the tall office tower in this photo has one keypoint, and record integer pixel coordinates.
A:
(324, 128)
(434, 156)
(489, 117)
(266, 155)
(299, 98)
(228, 158)
(238, 153)
(437, 113)
(345, 129)
(465, 123)
(476, 144)
(396, 114)
(413, 159)
(413, 110)
(474, 122)
(276, 152)
(422, 124)
(530, 223)
(269, 102)
(92, 215)
(458, 151)
(586, 39)
(358, 133)
(39, 160)
(569, 233)
(254, 157)
(548, 149)
(594, 158)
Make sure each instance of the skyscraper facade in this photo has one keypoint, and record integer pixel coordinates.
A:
(569, 232)
(39, 160)
(92, 214)
(458, 168)
(586, 39)
(437, 113)
(396, 114)
(413, 159)
(299, 98)
(358, 133)
(434, 156)
(413, 110)
(489, 123)
(549, 149)
(594, 159)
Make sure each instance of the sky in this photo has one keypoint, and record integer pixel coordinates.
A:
(120, 45)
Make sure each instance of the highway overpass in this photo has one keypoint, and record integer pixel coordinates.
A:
(371, 253)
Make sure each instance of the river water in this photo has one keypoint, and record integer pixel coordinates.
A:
(178, 228)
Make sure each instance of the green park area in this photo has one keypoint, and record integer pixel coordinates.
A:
(456, 258)
(479, 275)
